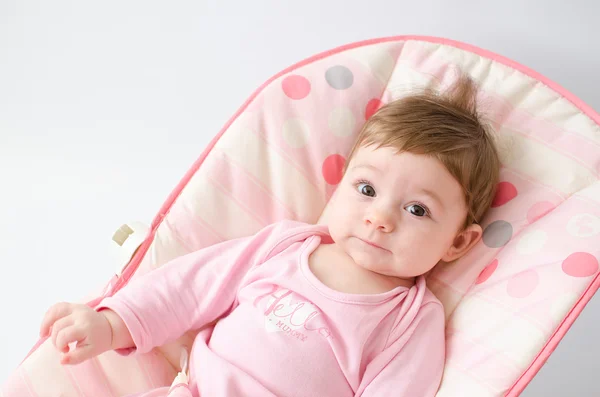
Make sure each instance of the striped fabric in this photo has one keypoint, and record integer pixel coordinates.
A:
(508, 302)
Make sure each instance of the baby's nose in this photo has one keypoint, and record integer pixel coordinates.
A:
(381, 220)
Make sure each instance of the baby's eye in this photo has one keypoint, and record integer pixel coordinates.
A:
(417, 210)
(366, 189)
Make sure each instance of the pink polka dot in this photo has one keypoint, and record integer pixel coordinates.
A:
(373, 106)
(333, 168)
(580, 264)
(522, 284)
(487, 272)
(295, 87)
(505, 192)
(538, 210)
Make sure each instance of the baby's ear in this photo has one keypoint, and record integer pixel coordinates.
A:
(463, 242)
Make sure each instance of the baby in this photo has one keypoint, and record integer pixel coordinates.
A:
(338, 309)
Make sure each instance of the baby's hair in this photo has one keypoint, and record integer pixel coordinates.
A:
(448, 127)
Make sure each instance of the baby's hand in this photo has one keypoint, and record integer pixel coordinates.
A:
(68, 323)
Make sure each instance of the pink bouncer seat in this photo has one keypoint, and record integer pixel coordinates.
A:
(508, 303)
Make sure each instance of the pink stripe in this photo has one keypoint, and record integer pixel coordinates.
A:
(74, 383)
(467, 374)
(479, 362)
(88, 380)
(143, 365)
(173, 228)
(577, 147)
(249, 192)
(294, 163)
(189, 228)
(580, 149)
(102, 374)
(18, 385)
(560, 196)
(240, 202)
(27, 382)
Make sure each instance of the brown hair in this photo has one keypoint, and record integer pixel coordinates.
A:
(448, 127)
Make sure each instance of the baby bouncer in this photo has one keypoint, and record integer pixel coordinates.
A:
(508, 302)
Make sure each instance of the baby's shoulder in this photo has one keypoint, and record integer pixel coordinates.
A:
(432, 302)
(426, 307)
(430, 298)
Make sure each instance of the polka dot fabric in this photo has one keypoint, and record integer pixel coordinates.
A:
(508, 301)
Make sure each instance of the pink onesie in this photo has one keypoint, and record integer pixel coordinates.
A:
(281, 332)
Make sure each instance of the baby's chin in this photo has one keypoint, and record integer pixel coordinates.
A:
(376, 264)
(366, 261)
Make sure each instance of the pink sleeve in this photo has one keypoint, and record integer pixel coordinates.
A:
(414, 363)
(190, 291)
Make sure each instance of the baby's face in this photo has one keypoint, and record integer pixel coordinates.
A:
(396, 214)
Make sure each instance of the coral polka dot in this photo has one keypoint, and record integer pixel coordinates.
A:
(487, 272)
(505, 192)
(522, 284)
(295, 86)
(580, 264)
(372, 107)
(538, 210)
(333, 168)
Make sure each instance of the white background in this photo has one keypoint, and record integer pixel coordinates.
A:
(104, 105)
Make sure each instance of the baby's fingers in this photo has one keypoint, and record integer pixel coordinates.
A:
(80, 354)
(58, 327)
(68, 335)
(53, 314)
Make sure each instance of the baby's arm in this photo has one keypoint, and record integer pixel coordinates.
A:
(192, 290)
(94, 332)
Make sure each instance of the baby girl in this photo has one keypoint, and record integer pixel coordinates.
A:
(338, 309)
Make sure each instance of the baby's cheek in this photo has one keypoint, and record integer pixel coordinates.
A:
(429, 246)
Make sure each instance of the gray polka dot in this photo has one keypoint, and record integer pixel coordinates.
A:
(497, 234)
(339, 77)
